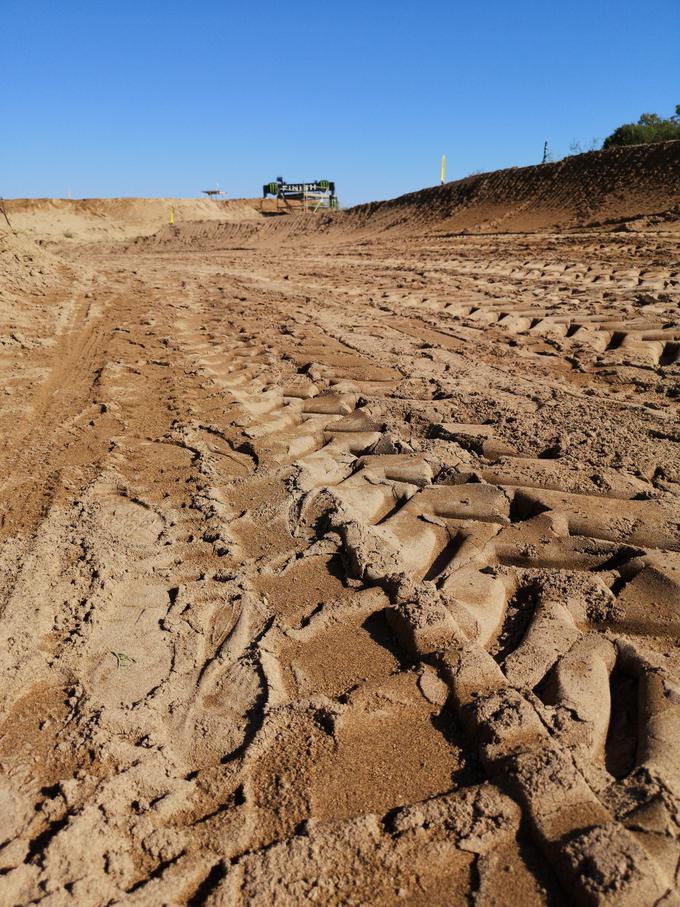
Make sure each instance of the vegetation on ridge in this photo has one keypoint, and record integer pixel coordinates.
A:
(649, 128)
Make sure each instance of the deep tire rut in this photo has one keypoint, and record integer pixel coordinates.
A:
(313, 601)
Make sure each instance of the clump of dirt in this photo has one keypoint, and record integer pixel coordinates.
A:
(28, 269)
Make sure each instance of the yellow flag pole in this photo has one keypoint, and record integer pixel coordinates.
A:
(443, 168)
(172, 215)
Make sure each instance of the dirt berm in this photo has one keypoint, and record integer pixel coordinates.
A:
(92, 219)
(624, 188)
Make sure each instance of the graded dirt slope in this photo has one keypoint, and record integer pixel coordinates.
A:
(344, 572)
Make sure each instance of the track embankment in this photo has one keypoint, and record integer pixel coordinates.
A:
(624, 188)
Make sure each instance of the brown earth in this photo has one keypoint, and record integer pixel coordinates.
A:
(340, 555)
(117, 218)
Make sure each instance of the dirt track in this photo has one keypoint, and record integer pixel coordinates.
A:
(342, 570)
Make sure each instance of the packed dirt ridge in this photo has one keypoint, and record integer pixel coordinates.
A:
(594, 189)
(340, 555)
(627, 189)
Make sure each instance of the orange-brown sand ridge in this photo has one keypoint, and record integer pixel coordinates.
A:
(340, 554)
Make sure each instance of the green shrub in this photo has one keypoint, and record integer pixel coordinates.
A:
(649, 128)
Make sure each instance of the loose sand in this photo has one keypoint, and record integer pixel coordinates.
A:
(340, 555)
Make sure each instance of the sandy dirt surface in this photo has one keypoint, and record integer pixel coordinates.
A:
(343, 567)
(62, 219)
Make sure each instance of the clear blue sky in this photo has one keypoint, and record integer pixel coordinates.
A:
(166, 98)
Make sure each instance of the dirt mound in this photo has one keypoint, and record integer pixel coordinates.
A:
(118, 218)
(624, 188)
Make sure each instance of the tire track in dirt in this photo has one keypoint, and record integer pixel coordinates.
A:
(375, 494)
(339, 613)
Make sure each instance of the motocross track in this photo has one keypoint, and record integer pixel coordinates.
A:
(340, 554)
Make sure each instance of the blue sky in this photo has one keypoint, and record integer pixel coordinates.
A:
(166, 98)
